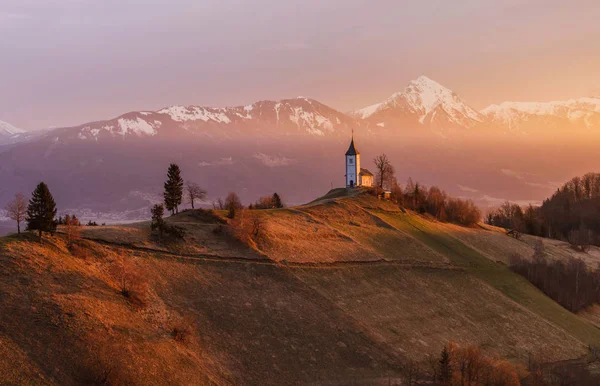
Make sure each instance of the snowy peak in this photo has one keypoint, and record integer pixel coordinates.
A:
(427, 102)
(296, 116)
(9, 133)
(582, 112)
(8, 130)
(426, 95)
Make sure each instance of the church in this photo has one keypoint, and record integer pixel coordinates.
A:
(355, 175)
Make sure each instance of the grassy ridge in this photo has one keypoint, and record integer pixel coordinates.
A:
(497, 275)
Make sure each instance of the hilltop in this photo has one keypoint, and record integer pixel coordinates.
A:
(344, 289)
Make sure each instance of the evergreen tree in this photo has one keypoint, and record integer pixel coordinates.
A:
(445, 371)
(41, 211)
(157, 219)
(173, 189)
(277, 201)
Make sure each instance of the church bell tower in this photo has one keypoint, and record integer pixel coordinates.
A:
(352, 165)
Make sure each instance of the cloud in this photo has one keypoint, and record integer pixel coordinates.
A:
(274, 161)
(467, 189)
(219, 162)
(493, 201)
(513, 173)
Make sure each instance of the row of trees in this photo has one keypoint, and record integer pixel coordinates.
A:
(467, 365)
(572, 214)
(570, 283)
(175, 190)
(417, 197)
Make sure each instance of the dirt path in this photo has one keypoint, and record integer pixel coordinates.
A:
(207, 257)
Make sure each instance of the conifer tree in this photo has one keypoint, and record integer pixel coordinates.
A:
(41, 211)
(277, 201)
(157, 219)
(173, 189)
(445, 371)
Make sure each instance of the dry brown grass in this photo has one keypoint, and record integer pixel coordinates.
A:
(255, 322)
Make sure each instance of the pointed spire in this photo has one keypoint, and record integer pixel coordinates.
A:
(352, 150)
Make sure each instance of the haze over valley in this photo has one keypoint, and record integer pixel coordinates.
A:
(314, 193)
(428, 131)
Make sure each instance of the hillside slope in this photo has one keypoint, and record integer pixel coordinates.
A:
(342, 290)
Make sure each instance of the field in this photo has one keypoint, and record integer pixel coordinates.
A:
(343, 290)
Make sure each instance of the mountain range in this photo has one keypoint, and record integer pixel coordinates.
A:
(116, 166)
(423, 105)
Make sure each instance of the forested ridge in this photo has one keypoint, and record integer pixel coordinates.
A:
(571, 214)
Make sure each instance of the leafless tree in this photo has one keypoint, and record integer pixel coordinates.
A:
(581, 238)
(232, 204)
(385, 171)
(16, 209)
(72, 226)
(219, 204)
(194, 192)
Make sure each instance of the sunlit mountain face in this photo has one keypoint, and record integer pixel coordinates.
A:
(114, 169)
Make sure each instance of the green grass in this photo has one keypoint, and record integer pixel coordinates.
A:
(498, 276)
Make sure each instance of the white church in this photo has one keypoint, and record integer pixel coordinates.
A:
(355, 175)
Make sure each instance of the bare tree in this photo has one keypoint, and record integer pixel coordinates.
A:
(16, 210)
(219, 204)
(581, 238)
(194, 192)
(232, 204)
(385, 171)
(72, 229)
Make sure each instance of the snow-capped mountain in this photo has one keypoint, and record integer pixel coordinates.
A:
(423, 103)
(298, 116)
(8, 131)
(582, 113)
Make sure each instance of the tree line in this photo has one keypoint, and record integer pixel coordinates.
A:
(570, 283)
(571, 214)
(419, 198)
(175, 190)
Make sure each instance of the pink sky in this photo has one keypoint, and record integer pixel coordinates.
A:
(65, 62)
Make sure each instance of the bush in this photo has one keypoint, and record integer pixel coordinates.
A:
(248, 227)
(182, 329)
(131, 281)
(469, 366)
(174, 232)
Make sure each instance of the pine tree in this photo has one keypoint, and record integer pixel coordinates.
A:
(277, 201)
(157, 219)
(445, 371)
(173, 189)
(41, 211)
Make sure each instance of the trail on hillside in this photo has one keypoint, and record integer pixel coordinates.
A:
(208, 257)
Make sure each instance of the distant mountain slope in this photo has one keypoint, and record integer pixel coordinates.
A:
(8, 131)
(582, 113)
(289, 117)
(423, 103)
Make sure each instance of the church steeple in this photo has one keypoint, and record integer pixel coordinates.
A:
(352, 165)
(352, 150)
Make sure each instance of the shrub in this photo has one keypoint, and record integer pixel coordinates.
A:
(131, 281)
(182, 329)
(248, 227)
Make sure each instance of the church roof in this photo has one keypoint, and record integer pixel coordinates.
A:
(352, 150)
(365, 172)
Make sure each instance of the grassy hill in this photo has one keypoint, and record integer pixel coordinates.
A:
(342, 290)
